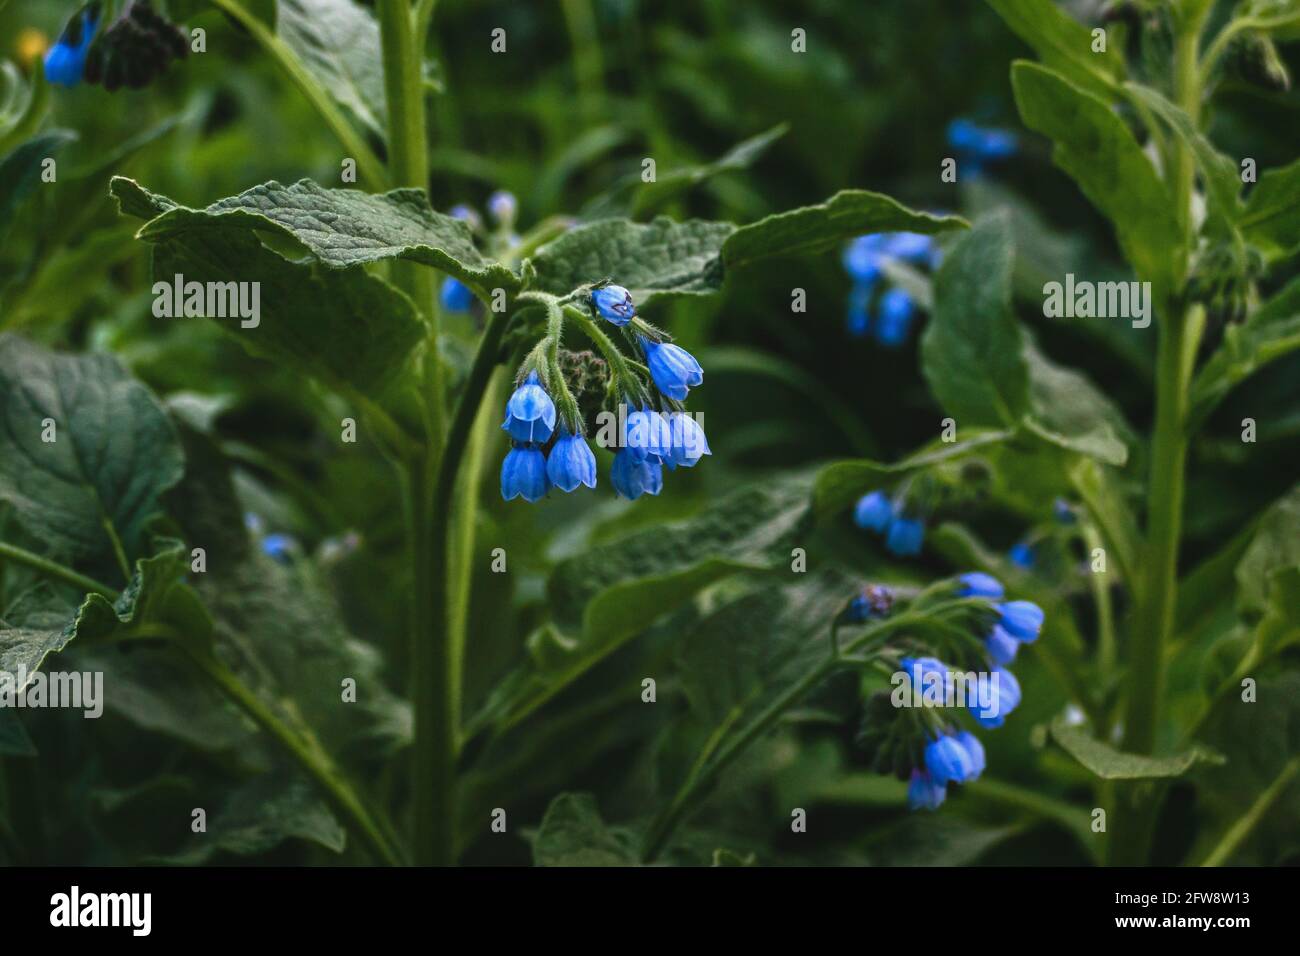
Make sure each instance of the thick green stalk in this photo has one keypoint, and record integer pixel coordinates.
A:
(1237, 833)
(1134, 814)
(436, 720)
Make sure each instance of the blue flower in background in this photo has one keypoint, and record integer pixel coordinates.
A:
(977, 146)
(1022, 620)
(455, 296)
(65, 63)
(280, 547)
(905, 536)
(1022, 555)
(1063, 511)
(979, 584)
(674, 370)
(466, 215)
(873, 511)
(614, 304)
(948, 761)
(523, 473)
(530, 413)
(633, 477)
(503, 207)
(894, 323)
(873, 601)
(974, 750)
(1001, 646)
(923, 793)
(858, 317)
(571, 463)
(1006, 699)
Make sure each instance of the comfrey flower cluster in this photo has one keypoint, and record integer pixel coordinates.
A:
(906, 732)
(904, 531)
(977, 147)
(650, 431)
(454, 295)
(875, 309)
(135, 48)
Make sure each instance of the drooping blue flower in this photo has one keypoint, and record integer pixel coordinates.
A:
(280, 547)
(894, 322)
(1022, 555)
(923, 793)
(873, 601)
(648, 435)
(858, 316)
(502, 207)
(523, 473)
(689, 443)
(530, 413)
(864, 259)
(979, 584)
(455, 296)
(65, 63)
(975, 750)
(918, 668)
(614, 304)
(873, 511)
(633, 477)
(905, 536)
(1022, 620)
(674, 370)
(1063, 511)
(466, 215)
(947, 760)
(1006, 698)
(981, 143)
(571, 463)
(1001, 646)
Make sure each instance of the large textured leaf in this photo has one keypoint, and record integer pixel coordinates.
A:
(1095, 147)
(842, 483)
(338, 42)
(350, 329)
(607, 595)
(1069, 411)
(114, 451)
(1063, 43)
(1111, 764)
(1276, 546)
(573, 834)
(341, 227)
(1270, 332)
(20, 171)
(667, 258)
(1272, 217)
(971, 350)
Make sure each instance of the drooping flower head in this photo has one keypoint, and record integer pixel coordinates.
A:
(571, 462)
(689, 443)
(948, 761)
(1006, 698)
(1001, 646)
(1022, 620)
(614, 304)
(455, 296)
(523, 473)
(924, 793)
(974, 750)
(633, 477)
(905, 536)
(530, 413)
(894, 323)
(65, 63)
(503, 207)
(873, 511)
(979, 584)
(674, 370)
(1022, 555)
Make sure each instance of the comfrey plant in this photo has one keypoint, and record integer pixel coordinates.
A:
(875, 307)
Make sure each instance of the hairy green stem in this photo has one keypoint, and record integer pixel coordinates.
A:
(436, 720)
(55, 570)
(369, 167)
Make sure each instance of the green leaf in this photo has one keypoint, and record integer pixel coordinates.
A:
(1270, 332)
(813, 229)
(605, 596)
(260, 816)
(1096, 148)
(668, 258)
(1111, 764)
(938, 840)
(1063, 43)
(114, 451)
(1101, 493)
(20, 171)
(14, 740)
(840, 484)
(352, 330)
(338, 42)
(340, 227)
(1276, 546)
(573, 834)
(1071, 412)
(971, 349)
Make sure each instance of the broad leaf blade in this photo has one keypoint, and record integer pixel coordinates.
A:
(1064, 44)
(338, 42)
(1111, 764)
(1272, 216)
